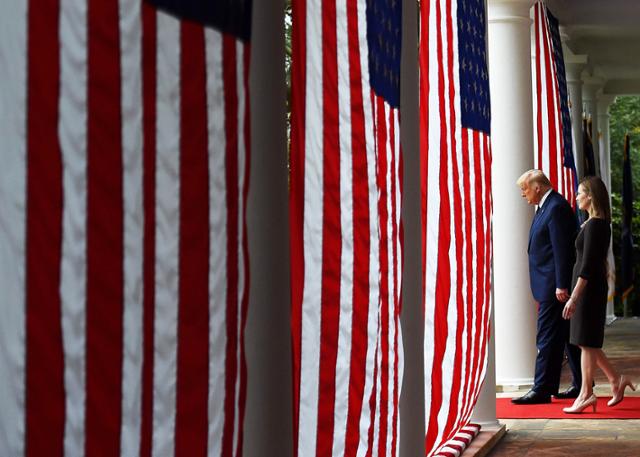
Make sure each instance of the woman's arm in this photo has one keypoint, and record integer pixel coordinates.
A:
(570, 306)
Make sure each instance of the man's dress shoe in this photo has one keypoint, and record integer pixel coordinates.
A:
(532, 398)
(571, 392)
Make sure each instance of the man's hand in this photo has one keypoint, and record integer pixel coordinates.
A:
(569, 309)
(562, 295)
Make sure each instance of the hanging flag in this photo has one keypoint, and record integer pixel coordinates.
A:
(589, 156)
(626, 251)
(456, 211)
(346, 254)
(124, 267)
(553, 145)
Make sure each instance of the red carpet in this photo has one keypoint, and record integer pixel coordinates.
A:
(629, 408)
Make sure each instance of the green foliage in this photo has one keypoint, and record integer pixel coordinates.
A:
(625, 118)
(616, 223)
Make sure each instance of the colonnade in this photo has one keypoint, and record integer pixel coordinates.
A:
(512, 143)
(512, 347)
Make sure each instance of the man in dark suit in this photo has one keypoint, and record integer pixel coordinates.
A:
(551, 256)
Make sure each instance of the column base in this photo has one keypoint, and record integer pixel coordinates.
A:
(514, 385)
(610, 319)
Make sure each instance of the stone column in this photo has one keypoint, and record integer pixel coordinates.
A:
(412, 400)
(604, 101)
(589, 102)
(512, 145)
(268, 423)
(574, 64)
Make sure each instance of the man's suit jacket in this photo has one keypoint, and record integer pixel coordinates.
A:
(551, 247)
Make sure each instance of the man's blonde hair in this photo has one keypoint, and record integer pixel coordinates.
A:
(533, 177)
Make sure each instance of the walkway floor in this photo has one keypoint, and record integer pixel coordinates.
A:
(583, 438)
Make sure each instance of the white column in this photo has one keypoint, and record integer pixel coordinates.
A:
(412, 401)
(268, 422)
(484, 412)
(512, 145)
(604, 101)
(574, 64)
(590, 90)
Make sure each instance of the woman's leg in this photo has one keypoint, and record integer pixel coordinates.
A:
(603, 362)
(587, 364)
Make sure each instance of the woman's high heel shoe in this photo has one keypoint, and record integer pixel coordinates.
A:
(618, 394)
(579, 406)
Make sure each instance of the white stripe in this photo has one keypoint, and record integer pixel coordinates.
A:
(131, 71)
(343, 357)
(167, 234)
(241, 279)
(218, 240)
(448, 359)
(72, 131)
(461, 264)
(374, 250)
(312, 235)
(432, 207)
(13, 107)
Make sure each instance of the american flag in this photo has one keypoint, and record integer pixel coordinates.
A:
(123, 271)
(553, 145)
(455, 157)
(345, 227)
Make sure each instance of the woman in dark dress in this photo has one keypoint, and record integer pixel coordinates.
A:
(587, 305)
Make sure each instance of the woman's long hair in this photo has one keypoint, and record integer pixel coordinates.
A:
(600, 206)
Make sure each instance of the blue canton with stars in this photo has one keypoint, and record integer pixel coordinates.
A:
(567, 153)
(384, 39)
(227, 16)
(474, 76)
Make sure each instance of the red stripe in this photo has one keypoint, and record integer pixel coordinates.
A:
(149, 44)
(538, 85)
(245, 249)
(331, 233)
(469, 380)
(551, 108)
(105, 274)
(296, 197)
(361, 240)
(443, 276)
(481, 263)
(191, 426)
(381, 130)
(229, 77)
(44, 390)
(488, 208)
(373, 399)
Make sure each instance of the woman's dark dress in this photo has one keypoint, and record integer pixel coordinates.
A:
(592, 246)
